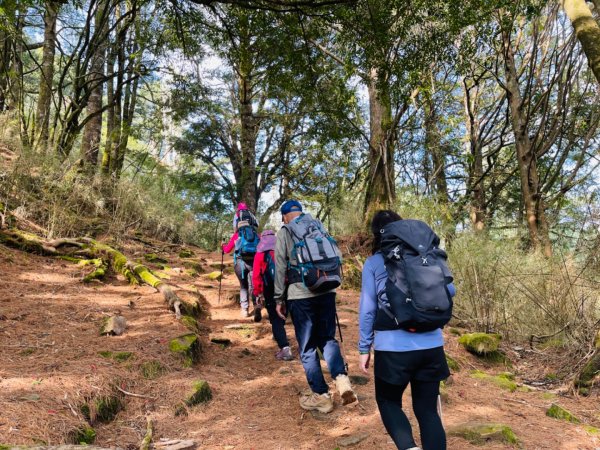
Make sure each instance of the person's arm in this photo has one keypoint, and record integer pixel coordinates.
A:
(280, 264)
(257, 270)
(367, 308)
(227, 248)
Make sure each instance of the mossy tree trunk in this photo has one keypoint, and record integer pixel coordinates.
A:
(90, 142)
(246, 175)
(587, 31)
(381, 187)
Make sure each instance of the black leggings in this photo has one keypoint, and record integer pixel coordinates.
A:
(424, 399)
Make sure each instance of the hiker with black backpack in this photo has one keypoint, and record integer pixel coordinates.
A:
(307, 272)
(263, 282)
(405, 300)
(243, 243)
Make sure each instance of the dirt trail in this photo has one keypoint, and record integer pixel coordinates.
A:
(50, 364)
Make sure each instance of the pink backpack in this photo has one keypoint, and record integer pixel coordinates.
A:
(267, 241)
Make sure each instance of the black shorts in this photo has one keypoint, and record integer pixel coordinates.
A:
(402, 367)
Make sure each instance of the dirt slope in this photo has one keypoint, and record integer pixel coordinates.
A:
(50, 364)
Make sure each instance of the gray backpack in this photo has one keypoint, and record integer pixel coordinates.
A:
(317, 255)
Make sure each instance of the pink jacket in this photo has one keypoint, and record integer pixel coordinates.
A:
(228, 248)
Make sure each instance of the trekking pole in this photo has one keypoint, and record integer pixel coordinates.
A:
(221, 277)
(337, 319)
(439, 408)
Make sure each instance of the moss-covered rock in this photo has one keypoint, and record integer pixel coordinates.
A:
(187, 347)
(152, 369)
(480, 343)
(201, 393)
(114, 326)
(558, 412)
(193, 264)
(154, 258)
(117, 356)
(186, 253)
(191, 273)
(504, 380)
(452, 364)
(215, 276)
(497, 357)
(480, 433)
(588, 374)
(82, 435)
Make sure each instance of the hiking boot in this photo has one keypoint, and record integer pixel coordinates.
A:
(317, 402)
(342, 382)
(257, 314)
(285, 354)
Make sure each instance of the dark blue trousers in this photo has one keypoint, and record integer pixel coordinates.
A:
(277, 324)
(314, 323)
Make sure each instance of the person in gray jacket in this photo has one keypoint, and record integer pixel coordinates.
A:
(313, 315)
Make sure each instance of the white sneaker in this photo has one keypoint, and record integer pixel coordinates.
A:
(342, 382)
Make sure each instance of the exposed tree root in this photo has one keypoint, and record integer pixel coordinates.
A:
(86, 251)
(145, 445)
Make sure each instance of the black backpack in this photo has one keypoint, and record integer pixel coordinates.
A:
(416, 296)
(245, 215)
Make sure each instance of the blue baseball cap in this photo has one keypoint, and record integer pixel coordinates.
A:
(290, 206)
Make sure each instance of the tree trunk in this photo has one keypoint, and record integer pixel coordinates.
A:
(380, 189)
(42, 119)
(477, 209)
(119, 49)
(18, 87)
(248, 123)
(433, 146)
(110, 115)
(527, 161)
(6, 54)
(587, 31)
(90, 143)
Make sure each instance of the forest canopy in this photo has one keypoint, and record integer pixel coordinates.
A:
(475, 115)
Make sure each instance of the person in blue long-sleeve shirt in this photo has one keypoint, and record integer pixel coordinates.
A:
(401, 357)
